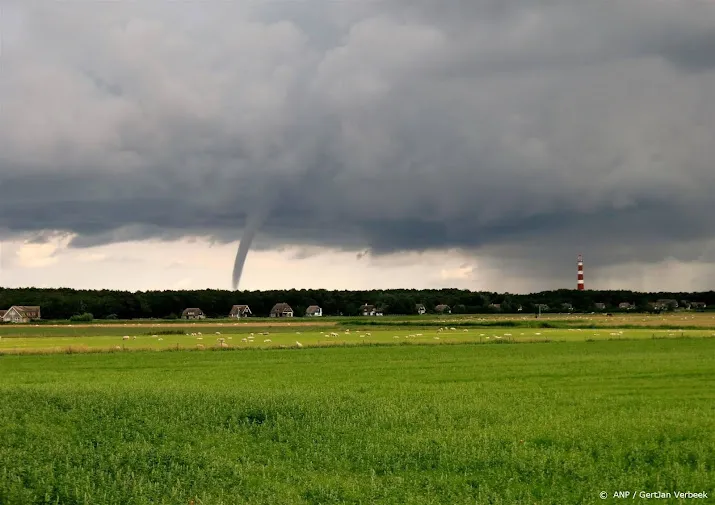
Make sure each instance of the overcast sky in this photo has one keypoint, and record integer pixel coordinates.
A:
(477, 144)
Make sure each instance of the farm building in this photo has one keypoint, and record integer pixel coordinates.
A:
(193, 313)
(420, 309)
(443, 309)
(21, 314)
(314, 311)
(370, 310)
(281, 310)
(238, 311)
(665, 304)
(697, 305)
(599, 306)
(626, 306)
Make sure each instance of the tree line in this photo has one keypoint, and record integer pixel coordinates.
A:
(107, 304)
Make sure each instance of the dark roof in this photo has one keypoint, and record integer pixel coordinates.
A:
(192, 310)
(280, 308)
(239, 308)
(442, 306)
(312, 309)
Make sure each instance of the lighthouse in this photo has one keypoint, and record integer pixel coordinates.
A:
(579, 282)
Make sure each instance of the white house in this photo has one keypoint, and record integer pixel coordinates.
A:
(239, 311)
(21, 314)
(420, 309)
(281, 310)
(314, 311)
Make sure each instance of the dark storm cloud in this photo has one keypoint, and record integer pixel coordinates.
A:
(504, 127)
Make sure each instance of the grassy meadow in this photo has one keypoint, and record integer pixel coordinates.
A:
(549, 416)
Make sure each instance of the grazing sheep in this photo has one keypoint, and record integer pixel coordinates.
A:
(267, 340)
(125, 337)
(251, 335)
(244, 340)
(117, 348)
(368, 334)
(333, 334)
(223, 345)
(298, 344)
(436, 338)
(217, 333)
(453, 329)
(465, 330)
(134, 337)
(154, 336)
(297, 333)
(161, 339)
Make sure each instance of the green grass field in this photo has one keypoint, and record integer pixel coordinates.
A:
(552, 423)
(87, 339)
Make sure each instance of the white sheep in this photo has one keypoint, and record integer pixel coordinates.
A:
(217, 333)
(244, 340)
(267, 340)
(161, 339)
(368, 334)
(125, 337)
(298, 344)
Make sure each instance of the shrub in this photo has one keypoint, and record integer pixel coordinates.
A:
(82, 317)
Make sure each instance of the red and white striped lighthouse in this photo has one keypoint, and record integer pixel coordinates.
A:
(579, 285)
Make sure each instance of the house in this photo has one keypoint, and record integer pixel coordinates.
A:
(443, 309)
(600, 306)
(368, 310)
(281, 310)
(697, 305)
(566, 306)
(314, 311)
(193, 313)
(626, 306)
(371, 310)
(2, 314)
(238, 311)
(665, 304)
(21, 314)
(420, 309)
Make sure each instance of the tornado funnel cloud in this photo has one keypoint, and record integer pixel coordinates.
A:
(253, 224)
